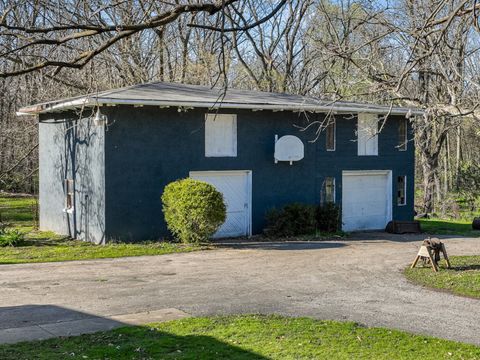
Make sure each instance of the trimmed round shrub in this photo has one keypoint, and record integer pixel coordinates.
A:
(193, 210)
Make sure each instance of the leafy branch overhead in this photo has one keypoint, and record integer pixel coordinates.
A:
(33, 42)
(421, 53)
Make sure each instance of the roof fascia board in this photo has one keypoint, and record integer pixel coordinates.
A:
(333, 108)
(46, 108)
(228, 105)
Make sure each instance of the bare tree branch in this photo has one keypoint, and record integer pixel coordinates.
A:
(246, 27)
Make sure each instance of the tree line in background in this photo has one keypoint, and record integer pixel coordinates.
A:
(422, 53)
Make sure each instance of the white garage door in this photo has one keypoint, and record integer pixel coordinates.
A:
(366, 200)
(236, 189)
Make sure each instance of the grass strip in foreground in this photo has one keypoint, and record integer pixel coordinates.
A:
(244, 337)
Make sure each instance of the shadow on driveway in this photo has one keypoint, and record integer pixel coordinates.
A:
(39, 322)
(373, 237)
(43, 323)
(279, 245)
(378, 236)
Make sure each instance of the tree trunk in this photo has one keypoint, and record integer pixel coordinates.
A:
(448, 161)
(438, 189)
(445, 174)
(428, 187)
(458, 155)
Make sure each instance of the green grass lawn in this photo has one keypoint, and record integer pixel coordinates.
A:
(462, 279)
(40, 246)
(18, 211)
(449, 227)
(244, 337)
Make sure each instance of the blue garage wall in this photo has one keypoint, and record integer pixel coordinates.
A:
(389, 158)
(148, 147)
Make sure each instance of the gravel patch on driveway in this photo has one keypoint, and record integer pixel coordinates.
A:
(358, 279)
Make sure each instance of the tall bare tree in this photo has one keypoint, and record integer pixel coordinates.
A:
(423, 53)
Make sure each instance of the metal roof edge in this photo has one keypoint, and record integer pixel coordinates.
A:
(333, 107)
(53, 106)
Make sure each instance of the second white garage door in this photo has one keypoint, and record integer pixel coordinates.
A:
(236, 189)
(366, 200)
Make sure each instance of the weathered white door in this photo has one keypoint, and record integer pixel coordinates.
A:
(366, 200)
(236, 189)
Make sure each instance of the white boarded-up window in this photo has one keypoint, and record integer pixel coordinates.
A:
(367, 133)
(220, 135)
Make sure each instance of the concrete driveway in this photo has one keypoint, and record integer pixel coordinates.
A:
(356, 280)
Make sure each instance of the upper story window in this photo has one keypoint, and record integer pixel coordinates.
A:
(402, 135)
(330, 135)
(220, 135)
(367, 134)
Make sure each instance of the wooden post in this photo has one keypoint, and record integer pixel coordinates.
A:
(445, 256)
(415, 261)
(425, 252)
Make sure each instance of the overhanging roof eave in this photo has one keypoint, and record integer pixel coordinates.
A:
(322, 108)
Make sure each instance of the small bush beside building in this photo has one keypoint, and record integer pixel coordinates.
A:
(302, 219)
(291, 220)
(10, 237)
(328, 217)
